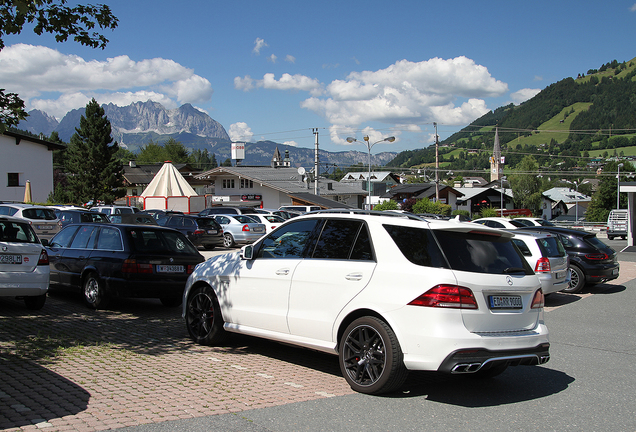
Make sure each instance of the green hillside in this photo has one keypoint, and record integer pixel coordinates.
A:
(563, 126)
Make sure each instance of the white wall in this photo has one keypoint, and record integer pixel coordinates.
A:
(32, 162)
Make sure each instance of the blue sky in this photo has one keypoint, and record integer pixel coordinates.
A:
(277, 69)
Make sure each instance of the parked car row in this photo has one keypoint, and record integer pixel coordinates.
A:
(590, 260)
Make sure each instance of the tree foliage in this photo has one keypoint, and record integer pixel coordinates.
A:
(386, 205)
(526, 185)
(53, 17)
(94, 172)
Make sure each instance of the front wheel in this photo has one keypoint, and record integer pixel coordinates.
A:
(371, 359)
(228, 240)
(93, 290)
(203, 317)
(577, 282)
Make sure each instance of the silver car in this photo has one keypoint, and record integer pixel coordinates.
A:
(547, 257)
(239, 229)
(42, 219)
(24, 263)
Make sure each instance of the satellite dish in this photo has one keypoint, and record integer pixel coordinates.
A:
(301, 171)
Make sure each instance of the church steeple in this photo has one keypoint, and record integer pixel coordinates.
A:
(496, 163)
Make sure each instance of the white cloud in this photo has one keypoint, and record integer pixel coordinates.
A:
(291, 143)
(633, 8)
(409, 93)
(258, 45)
(240, 131)
(523, 95)
(286, 82)
(32, 71)
(290, 58)
(272, 58)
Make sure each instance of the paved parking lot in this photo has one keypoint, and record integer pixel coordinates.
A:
(71, 368)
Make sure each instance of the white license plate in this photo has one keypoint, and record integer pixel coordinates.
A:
(505, 302)
(614, 272)
(257, 229)
(10, 259)
(170, 269)
(212, 231)
(45, 227)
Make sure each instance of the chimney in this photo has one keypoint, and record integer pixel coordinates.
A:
(132, 164)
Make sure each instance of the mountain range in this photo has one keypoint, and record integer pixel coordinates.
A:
(137, 124)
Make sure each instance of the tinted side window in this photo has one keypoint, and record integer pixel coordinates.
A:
(523, 247)
(480, 253)
(551, 247)
(336, 239)
(109, 239)
(289, 241)
(63, 238)
(362, 249)
(566, 241)
(81, 240)
(9, 211)
(418, 245)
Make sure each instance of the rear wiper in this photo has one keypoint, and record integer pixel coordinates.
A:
(514, 270)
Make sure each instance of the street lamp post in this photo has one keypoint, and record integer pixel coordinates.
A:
(369, 146)
(618, 190)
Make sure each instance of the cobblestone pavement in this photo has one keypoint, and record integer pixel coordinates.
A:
(69, 368)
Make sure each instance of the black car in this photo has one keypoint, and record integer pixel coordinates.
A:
(591, 260)
(201, 231)
(111, 260)
(133, 218)
(67, 217)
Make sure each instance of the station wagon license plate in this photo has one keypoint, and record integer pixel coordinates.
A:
(45, 227)
(212, 231)
(170, 269)
(10, 259)
(505, 302)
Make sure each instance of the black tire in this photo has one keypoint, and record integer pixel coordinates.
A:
(208, 246)
(610, 237)
(228, 240)
(578, 281)
(93, 290)
(35, 302)
(624, 237)
(203, 317)
(171, 301)
(371, 359)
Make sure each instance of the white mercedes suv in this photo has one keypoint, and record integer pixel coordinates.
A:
(386, 292)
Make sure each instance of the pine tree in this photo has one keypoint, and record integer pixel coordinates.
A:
(95, 174)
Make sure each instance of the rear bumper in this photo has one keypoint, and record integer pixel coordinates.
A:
(467, 361)
(13, 284)
(601, 273)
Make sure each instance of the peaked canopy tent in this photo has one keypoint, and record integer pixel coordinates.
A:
(169, 190)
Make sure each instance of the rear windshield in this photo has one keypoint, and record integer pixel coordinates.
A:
(207, 223)
(598, 244)
(17, 232)
(244, 219)
(551, 247)
(39, 214)
(159, 241)
(477, 253)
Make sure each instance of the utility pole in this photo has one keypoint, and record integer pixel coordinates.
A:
(316, 162)
(436, 164)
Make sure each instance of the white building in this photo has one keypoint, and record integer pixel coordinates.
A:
(26, 158)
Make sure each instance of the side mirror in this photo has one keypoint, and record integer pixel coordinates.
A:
(45, 242)
(247, 252)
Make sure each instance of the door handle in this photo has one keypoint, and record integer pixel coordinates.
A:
(354, 276)
(282, 272)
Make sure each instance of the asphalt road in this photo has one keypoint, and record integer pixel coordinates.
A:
(588, 385)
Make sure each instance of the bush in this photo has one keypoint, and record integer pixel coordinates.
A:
(489, 212)
(386, 205)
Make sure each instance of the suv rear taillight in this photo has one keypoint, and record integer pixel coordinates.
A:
(44, 258)
(543, 265)
(447, 296)
(597, 257)
(132, 266)
(538, 301)
(246, 227)
(199, 231)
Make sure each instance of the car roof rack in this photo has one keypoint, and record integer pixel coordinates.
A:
(367, 212)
